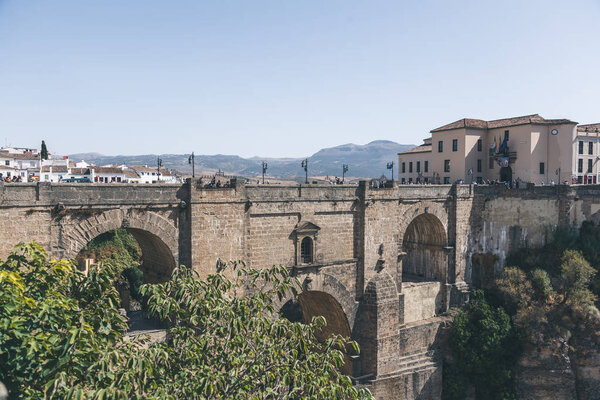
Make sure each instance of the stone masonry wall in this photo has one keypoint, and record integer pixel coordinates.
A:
(358, 235)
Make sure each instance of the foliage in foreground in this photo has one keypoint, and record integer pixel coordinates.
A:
(485, 350)
(62, 337)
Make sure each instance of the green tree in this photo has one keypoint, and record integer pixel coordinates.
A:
(62, 337)
(44, 151)
(54, 321)
(485, 350)
(575, 277)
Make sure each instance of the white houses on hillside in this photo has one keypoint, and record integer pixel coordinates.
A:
(27, 164)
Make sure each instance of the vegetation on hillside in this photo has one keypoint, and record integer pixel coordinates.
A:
(485, 348)
(61, 336)
(542, 294)
(119, 249)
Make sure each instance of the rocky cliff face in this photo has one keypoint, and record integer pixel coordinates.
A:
(585, 361)
(560, 370)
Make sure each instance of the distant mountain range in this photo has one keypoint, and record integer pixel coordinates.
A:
(364, 161)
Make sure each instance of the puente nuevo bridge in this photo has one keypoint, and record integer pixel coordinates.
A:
(381, 265)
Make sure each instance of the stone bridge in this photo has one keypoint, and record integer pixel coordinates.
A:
(380, 264)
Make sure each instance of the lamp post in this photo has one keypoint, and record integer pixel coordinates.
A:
(344, 170)
(304, 165)
(265, 166)
(158, 165)
(390, 165)
(192, 160)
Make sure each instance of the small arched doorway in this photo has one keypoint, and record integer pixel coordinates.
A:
(314, 304)
(424, 245)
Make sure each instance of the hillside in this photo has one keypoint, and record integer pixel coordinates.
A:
(367, 161)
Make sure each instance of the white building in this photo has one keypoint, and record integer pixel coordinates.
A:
(108, 175)
(146, 174)
(24, 163)
(53, 173)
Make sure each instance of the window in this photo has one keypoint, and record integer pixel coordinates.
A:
(478, 165)
(440, 146)
(403, 167)
(590, 148)
(410, 167)
(479, 145)
(580, 164)
(542, 168)
(446, 165)
(403, 180)
(581, 147)
(426, 166)
(306, 250)
(409, 180)
(7, 162)
(454, 144)
(446, 180)
(418, 166)
(589, 165)
(506, 135)
(491, 164)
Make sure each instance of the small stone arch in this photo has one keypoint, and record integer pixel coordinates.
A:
(321, 282)
(323, 295)
(157, 237)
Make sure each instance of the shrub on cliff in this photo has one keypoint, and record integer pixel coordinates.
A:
(546, 305)
(61, 336)
(484, 349)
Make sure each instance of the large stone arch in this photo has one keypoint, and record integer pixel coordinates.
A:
(434, 208)
(156, 235)
(424, 245)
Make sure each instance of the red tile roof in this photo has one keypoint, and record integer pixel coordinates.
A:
(55, 168)
(589, 128)
(501, 123)
(129, 173)
(80, 171)
(424, 148)
(107, 170)
(20, 156)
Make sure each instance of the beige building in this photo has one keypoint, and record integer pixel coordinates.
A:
(529, 148)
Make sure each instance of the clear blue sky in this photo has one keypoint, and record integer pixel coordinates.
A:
(285, 77)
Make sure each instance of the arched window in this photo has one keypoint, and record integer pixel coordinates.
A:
(306, 251)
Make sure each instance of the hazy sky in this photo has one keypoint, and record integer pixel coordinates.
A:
(285, 77)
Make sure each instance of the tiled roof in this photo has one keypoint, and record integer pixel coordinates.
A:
(142, 168)
(129, 173)
(424, 148)
(55, 168)
(22, 156)
(588, 128)
(501, 123)
(108, 170)
(80, 171)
